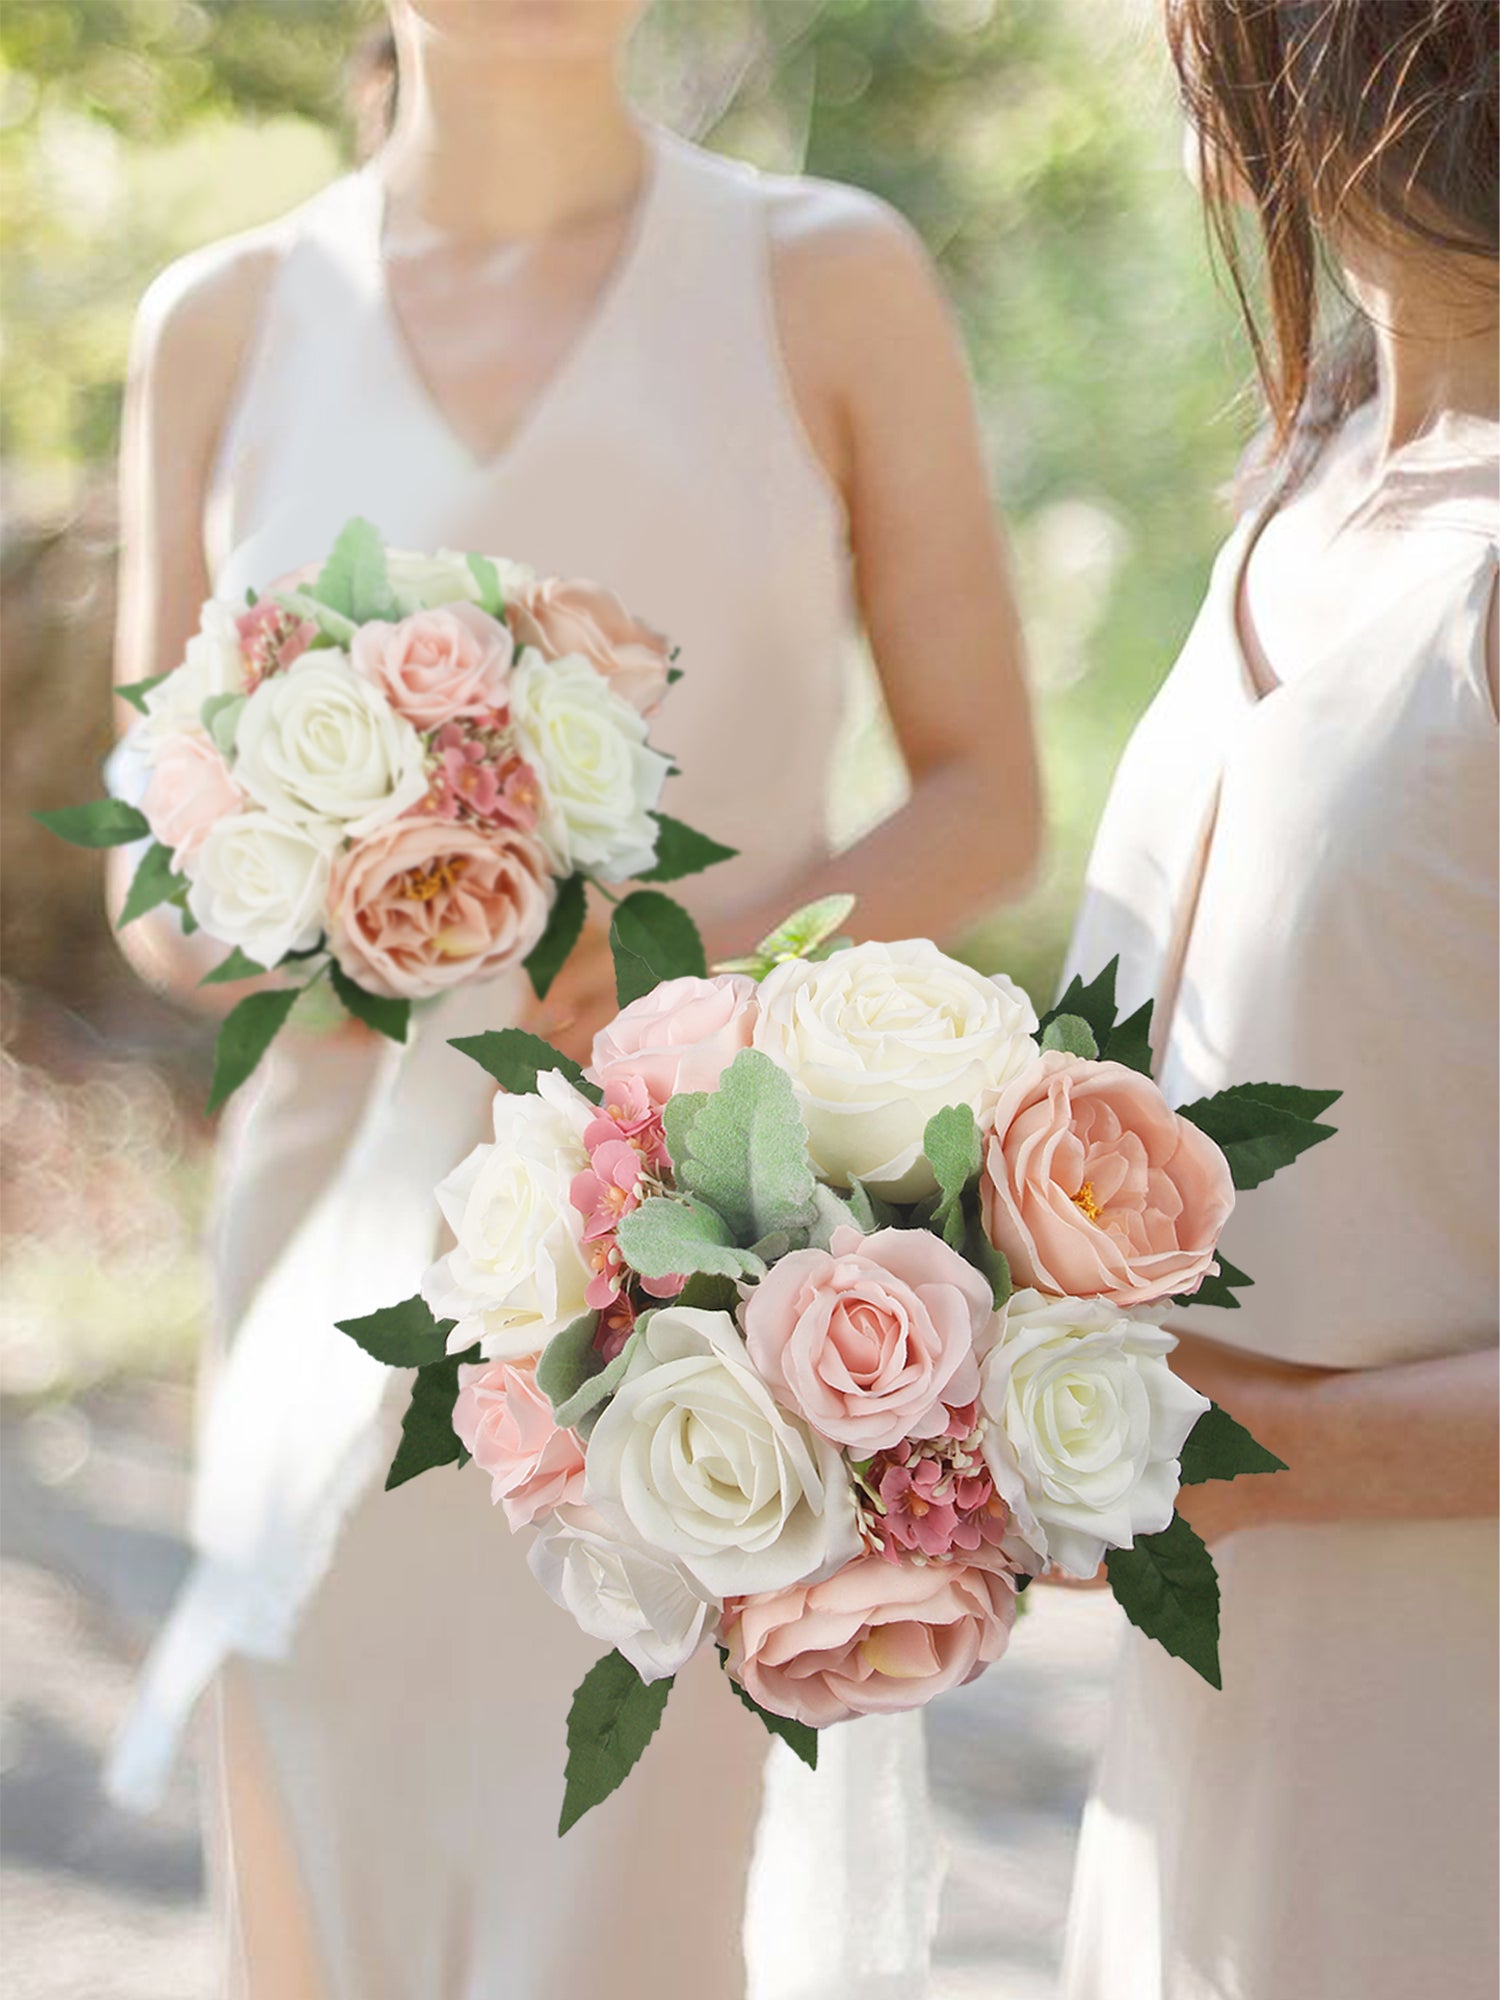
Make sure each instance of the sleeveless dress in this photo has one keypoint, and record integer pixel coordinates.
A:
(1307, 881)
(395, 1700)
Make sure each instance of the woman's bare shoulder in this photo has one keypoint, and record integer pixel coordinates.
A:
(845, 245)
(196, 318)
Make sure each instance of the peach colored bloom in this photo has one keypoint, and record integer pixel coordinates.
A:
(190, 791)
(559, 616)
(422, 905)
(506, 1425)
(680, 1036)
(872, 1638)
(1094, 1187)
(873, 1338)
(437, 665)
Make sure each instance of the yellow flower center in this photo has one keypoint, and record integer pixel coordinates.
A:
(420, 885)
(1085, 1200)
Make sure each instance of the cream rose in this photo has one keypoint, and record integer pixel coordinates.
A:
(600, 775)
(620, 1593)
(517, 1273)
(878, 1038)
(213, 664)
(1086, 1424)
(261, 884)
(319, 745)
(421, 581)
(694, 1458)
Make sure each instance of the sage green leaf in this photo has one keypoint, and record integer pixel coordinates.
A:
(1218, 1288)
(569, 1359)
(516, 1059)
(705, 1292)
(154, 882)
(831, 1212)
(869, 1211)
(1261, 1127)
(581, 1410)
(682, 850)
(135, 692)
(1219, 1448)
(1073, 1035)
(235, 966)
(1130, 1041)
(1094, 1003)
(355, 580)
(427, 1434)
(805, 929)
(653, 939)
(677, 1119)
(391, 1018)
(220, 716)
(1168, 1588)
(100, 823)
(564, 928)
(745, 1152)
(799, 1737)
(668, 1234)
(249, 1029)
(955, 1154)
(613, 1717)
(983, 1255)
(491, 590)
(334, 629)
(402, 1336)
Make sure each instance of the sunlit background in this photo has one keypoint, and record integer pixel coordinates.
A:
(1035, 145)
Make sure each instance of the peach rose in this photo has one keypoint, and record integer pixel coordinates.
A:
(680, 1036)
(872, 1638)
(873, 1339)
(1095, 1188)
(437, 665)
(422, 905)
(559, 616)
(189, 792)
(506, 1425)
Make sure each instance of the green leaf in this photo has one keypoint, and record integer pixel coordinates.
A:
(1218, 1288)
(654, 939)
(220, 716)
(613, 1717)
(669, 1234)
(1219, 1448)
(135, 692)
(983, 1255)
(516, 1059)
(101, 823)
(153, 883)
(799, 1737)
(707, 1292)
(745, 1152)
(1094, 1003)
(569, 1359)
(402, 1336)
(1261, 1127)
(491, 590)
(681, 850)
(248, 1031)
(235, 966)
(334, 629)
(952, 1146)
(830, 1212)
(805, 929)
(677, 1118)
(1073, 1035)
(354, 581)
(580, 1410)
(427, 1434)
(1167, 1587)
(564, 928)
(391, 1018)
(1129, 1041)
(869, 1211)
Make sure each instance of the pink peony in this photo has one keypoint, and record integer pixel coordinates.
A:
(437, 665)
(420, 905)
(872, 1638)
(1094, 1187)
(190, 791)
(559, 616)
(680, 1036)
(506, 1425)
(871, 1339)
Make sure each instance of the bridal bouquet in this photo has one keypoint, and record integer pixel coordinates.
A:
(397, 773)
(821, 1313)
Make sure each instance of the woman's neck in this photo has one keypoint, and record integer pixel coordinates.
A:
(490, 152)
(1435, 332)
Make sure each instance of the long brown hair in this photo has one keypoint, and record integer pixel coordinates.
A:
(1375, 116)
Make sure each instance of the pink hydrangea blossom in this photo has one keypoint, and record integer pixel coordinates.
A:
(271, 637)
(936, 1500)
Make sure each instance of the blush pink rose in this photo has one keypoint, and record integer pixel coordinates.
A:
(872, 1638)
(560, 616)
(680, 1036)
(874, 1339)
(437, 665)
(423, 904)
(189, 792)
(1095, 1188)
(506, 1425)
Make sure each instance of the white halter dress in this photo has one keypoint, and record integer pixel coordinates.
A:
(1307, 881)
(403, 1679)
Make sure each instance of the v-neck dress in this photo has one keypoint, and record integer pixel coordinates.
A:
(399, 1686)
(1305, 879)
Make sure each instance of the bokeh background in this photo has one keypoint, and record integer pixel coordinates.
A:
(1035, 144)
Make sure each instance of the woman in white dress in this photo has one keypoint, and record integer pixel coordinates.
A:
(1298, 862)
(534, 326)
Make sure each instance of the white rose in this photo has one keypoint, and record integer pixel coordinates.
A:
(261, 884)
(421, 581)
(1086, 1426)
(878, 1038)
(628, 1596)
(212, 665)
(517, 1273)
(694, 1457)
(319, 744)
(600, 776)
